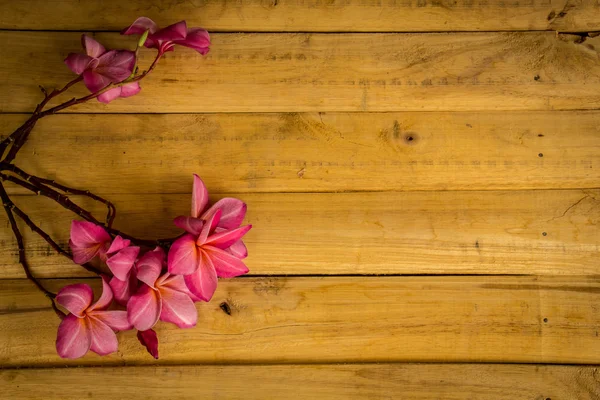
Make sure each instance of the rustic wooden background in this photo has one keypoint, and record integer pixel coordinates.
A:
(423, 177)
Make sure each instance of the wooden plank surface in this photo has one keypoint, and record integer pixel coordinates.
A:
(343, 382)
(530, 232)
(329, 72)
(316, 152)
(308, 15)
(337, 319)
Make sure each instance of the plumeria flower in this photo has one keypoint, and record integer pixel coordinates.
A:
(100, 68)
(88, 326)
(89, 240)
(165, 39)
(161, 297)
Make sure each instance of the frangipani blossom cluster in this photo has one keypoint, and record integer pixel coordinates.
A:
(152, 285)
(112, 72)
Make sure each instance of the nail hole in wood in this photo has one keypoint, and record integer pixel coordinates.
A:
(541, 155)
(544, 234)
(546, 320)
(225, 307)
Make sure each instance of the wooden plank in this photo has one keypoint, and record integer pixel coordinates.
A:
(332, 16)
(337, 319)
(308, 15)
(317, 152)
(344, 382)
(531, 232)
(328, 72)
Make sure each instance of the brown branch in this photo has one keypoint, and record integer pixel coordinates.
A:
(8, 207)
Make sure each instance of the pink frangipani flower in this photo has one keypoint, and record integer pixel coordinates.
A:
(87, 241)
(212, 247)
(88, 326)
(165, 39)
(100, 68)
(161, 297)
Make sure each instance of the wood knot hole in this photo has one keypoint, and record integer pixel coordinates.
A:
(225, 307)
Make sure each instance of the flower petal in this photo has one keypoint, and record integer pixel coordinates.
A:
(189, 224)
(120, 264)
(203, 282)
(183, 255)
(75, 298)
(85, 233)
(105, 298)
(227, 265)
(143, 308)
(78, 62)
(197, 39)
(227, 238)
(171, 32)
(209, 227)
(149, 340)
(92, 47)
(117, 65)
(139, 26)
(238, 249)
(233, 212)
(73, 339)
(122, 290)
(110, 95)
(199, 196)
(177, 308)
(95, 81)
(115, 319)
(150, 265)
(117, 244)
(104, 340)
(82, 255)
(130, 89)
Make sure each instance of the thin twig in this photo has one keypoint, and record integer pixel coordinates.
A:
(8, 207)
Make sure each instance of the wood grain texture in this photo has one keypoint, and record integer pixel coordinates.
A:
(307, 15)
(336, 319)
(531, 232)
(328, 72)
(317, 152)
(343, 382)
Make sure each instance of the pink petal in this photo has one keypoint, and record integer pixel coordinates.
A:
(203, 282)
(238, 249)
(104, 341)
(82, 255)
(116, 320)
(149, 340)
(199, 196)
(85, 233)
(143, 308)
(227, 265)
(178, 308)
(92, 47)
(106, 297)
(110, 95)
(130, 89)
(189, 224)
(116, 65)
(95, 81)
(118, 244)
(197, 39)
(183, 255)
(209, 227)
(177, 282)
(171, 32)
(122, 290)
(139, 26)
(75, 298)
(73, 339)
(120, 264)
(225, 239)
(233, 212)
(78, 62)
(150, 265)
